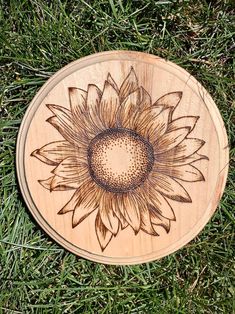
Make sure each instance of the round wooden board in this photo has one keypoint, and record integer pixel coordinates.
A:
(122, 157)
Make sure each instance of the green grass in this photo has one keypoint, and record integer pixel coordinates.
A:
(37, 38)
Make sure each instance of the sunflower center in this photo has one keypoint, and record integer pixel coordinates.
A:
(119, 159)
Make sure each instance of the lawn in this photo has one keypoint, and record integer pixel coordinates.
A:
(37, 38)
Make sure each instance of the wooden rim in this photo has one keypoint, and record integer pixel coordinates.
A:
(196, 88)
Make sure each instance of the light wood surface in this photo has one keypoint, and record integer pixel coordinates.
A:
(122, 157)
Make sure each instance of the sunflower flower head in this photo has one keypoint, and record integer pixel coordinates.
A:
(124, 156)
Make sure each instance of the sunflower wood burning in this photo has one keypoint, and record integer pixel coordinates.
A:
(124, 155)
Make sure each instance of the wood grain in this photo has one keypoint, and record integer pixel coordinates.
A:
(122, 157)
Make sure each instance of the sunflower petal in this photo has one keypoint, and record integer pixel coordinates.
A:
(169, 100)
(185, 149)
(62, 184)
(64, 123)
(56, 183)
(72, 168)
(170, 188)
(70, 205)
(171, 139)
(117, 212)
(86, 202)
(104, 236)
(64, 117)
(129, 208)
(145, 118)
(158, 220)
(109, 105)
(112, 82)
(127, 110)
(54, 152)
(171, 162)
(157, 200)
(185, 173)
(93, 96)
(81, 212)
(93, 123)
(129, 85)
(75, 137)
(196, 157)
(46, 183)
(145, 218)
(107, 214)
(158, 126)
(77, 99)
(145, 101)
(189, 121)
(60, 111)
(39, 155)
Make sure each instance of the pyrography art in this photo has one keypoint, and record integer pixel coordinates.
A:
(123, 155)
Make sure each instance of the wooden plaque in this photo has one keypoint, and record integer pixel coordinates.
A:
(122, 157)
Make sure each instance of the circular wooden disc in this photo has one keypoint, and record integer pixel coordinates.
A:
(122, 157)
